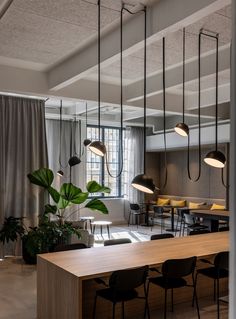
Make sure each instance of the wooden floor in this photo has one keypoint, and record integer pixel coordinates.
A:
(18, 286)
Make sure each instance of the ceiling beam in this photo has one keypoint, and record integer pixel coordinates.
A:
(163, 17)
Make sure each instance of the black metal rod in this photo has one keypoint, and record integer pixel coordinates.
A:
(99, 68)
(60, 133)
(145, 89)
(215, 36)
(199, 120)
(183, 74)
(164, 104)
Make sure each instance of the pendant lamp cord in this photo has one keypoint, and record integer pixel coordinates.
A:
(183, 75)
(71, 135)
(199, 119)
(75, 134)
(99, 69)
(60, 162)
(164, 106)
(145, 90)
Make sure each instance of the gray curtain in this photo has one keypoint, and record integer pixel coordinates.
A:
(23, 150)
(78, 172)
(135, 161)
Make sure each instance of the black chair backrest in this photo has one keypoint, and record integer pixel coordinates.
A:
(221, 260)
(178, 268)
(134, 206)
(62, 247)
(161, 236)
(158, 209)
(199, 232)
(128, 279)
(118, 241)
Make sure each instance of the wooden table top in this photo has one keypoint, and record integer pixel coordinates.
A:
(223, 213)
(100, 261)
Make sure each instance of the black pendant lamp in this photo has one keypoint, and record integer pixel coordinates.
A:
(75, 157)
(60, 171)
(215, 158)
(97, 147)
(142, 182)
(182, 128)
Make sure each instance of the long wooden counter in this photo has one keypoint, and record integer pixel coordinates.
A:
(61, 276)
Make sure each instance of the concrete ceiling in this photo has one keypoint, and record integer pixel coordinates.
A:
(49, 48)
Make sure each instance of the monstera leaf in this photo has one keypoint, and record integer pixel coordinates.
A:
(42, 177)
(73, 194)
(96, 204)
(94, 187)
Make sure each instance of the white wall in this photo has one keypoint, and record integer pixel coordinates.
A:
(116, 208)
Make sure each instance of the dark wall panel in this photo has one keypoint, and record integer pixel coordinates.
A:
(178, 183)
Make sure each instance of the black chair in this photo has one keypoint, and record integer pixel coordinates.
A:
(173, 273)
(159, 212)
(225, 228)
(135, 211)
(122, 287)
(217, 271)
(161, 236)
(118, 241)
(64, 247)
(191, 224)
(180, 219)
(199, 232)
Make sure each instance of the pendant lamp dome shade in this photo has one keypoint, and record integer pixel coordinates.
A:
(98, 148)
(87, 142)
(182, 129)
(74, 160)
(215, 159)
(143, 183)
(60, 173)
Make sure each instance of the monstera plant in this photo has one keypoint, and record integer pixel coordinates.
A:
(51, 232)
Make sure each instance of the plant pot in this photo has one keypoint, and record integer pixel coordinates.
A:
(28, 258)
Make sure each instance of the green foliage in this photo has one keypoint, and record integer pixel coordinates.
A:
(11, 229)
(96, 204)
(94, 187)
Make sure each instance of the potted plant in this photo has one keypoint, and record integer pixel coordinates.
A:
(11, 230)
(49, 233)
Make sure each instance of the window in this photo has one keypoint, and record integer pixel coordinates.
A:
(96, 166)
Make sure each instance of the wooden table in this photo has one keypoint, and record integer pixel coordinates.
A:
(211, 217)
(64, 277)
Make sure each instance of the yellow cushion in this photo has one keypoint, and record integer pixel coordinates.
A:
(163, 201)
(217, 207)
(193, 205)
(178, 203)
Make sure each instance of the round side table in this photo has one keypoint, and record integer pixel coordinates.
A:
(101, 223)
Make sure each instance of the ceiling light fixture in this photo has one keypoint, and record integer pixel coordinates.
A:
(142, 182)
(182, 128)
(215, 158)
(97, 147)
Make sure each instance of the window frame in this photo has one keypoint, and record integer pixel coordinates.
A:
(103, 167)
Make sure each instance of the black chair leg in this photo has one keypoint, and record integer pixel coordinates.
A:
(177, 225)
(218, 295)
(113, 310)
(129, 219)
(146, 310)
(94, 306)
(214, 289)
(195, 295)
(172, 299)
(123, 310)
(165, 303)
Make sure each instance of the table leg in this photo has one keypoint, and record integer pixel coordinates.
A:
(172, 229)
(101, 229)
(90, 226)
(108, 231)
(94, 228)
